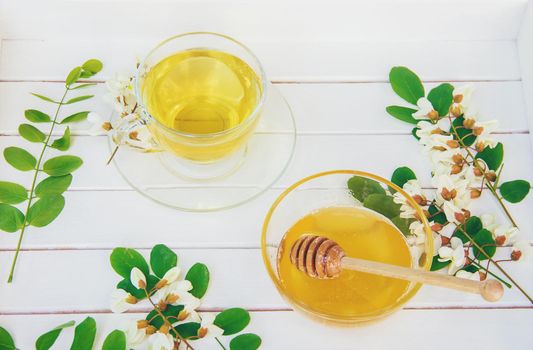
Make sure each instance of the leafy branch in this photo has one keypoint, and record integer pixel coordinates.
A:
(44, 200)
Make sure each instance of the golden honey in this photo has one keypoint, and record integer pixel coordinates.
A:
(202, 93)
(362, 234)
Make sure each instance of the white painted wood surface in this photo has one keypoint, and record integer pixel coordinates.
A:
(331, 63)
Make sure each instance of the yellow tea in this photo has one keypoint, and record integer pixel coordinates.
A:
(200, 92)
(362, 234)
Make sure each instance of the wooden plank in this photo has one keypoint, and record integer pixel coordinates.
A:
(296, 20)
(331, 61)
(487, 329)
(376, 153)
(79, 271)
(318, 108)
(525, 52)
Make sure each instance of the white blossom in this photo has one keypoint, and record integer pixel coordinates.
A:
(137, 278)
(424, 108)
(452, 195)
(468, 275)
(134, 335)
(160, 341)
(176, 293)
(464, 93)
(521, 251)
(455, 254)
(121, 93)
(121, 301)
(208, 329)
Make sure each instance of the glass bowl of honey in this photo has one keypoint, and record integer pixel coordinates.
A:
(356, 210)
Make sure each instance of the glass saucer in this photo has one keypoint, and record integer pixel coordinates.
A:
(189, 186)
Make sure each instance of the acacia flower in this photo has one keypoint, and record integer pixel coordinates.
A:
(121, 94)
(452, 195)
(189, 314)
(462, 97)
(121, 301)
(455, 254)
(137, 278)
(425, 110)
(413, 188)
(169, 277)
(160, 341)
(176, 293)
(134, 334)
(97, 125)
(208, 329)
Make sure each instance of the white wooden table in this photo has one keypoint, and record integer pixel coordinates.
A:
(331, 62)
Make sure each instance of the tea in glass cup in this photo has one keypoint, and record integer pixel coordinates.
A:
(201, 95)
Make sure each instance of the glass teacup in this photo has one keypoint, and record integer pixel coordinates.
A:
(201, 96)
(324, 205)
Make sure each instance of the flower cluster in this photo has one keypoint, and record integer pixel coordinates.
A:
(125, 125)
(174, 322)
(465, 161)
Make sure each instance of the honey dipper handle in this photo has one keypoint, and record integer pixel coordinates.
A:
(490, 289)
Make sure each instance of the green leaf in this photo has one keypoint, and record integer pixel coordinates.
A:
(439, 265)
(493, 156)
(42, 97)
(406, 84)
(462, 131)
(401, 175)
(76, 117)
(441, 98)
(83, 86)
(362, 187)
(53, 185)
(36, 116)
(198, 275)
(31, 133)
(6, 341)
(45, 210)
(20, 159)
(232, 320)
(12, 193)
(382, 204)
(62, 165)
(125, 259)
(402, 224)
(63, 143)
(247, 341)
(484, 239)
(78, 99)
(162, 259)
(11, 218)
(170, 311)
(84, 335)
(470, 268)
(402, 113)
(188, 330)
(439, 218)
(73, 76)
(514, 191)
(471, 227)
(116, 340)
(45, 341)
(92, 66)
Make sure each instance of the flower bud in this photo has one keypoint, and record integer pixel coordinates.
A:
(436, 131)
(491, 176)
(469, 123)
(107, 126)
(433, 115)
(202, 332)
(516, 255)
(500, 240)
(162, 305)
(458, 159)
(183, 315)
(134, 135)
(458, 98)
(447, 194)
(171, 298)
(420, 200)
(439, 148)
(436, 227)
(482, 276)
(475, 193)
(456, 169)
(164, 328)
(480, 146)
(444, 240)
(150, 330)
(460, 217)
(161, 283)
(456, 110)
(478, 172)
(466, 213)
(130, 299)
(142, 324)
(452, 143)
(478, 130)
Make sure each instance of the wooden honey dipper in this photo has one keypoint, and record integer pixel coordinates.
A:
(320, 257)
